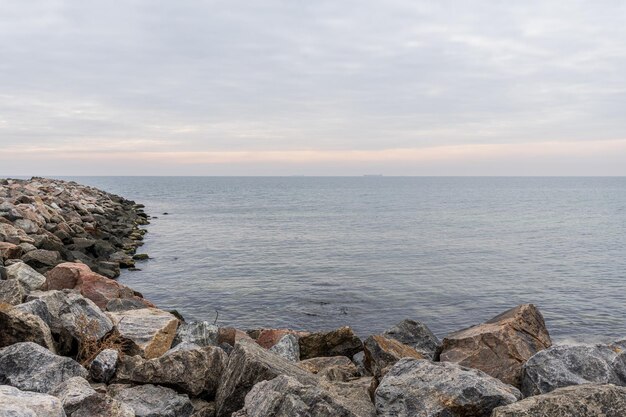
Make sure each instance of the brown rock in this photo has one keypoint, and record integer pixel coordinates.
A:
(17, 326)
(381, 352)
(269, 337)
(338, 342)
(501, 345)
(10, 251)
(333, 368)
(231, 335)
(12, 292)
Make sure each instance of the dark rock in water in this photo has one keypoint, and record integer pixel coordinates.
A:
(434, 389)
(202, 333)
(249, 364)
(417, 335)
(11, 292)
(590, 400)
(202, 408)
(381, 353)
(333, 368)
(103, 367)
(16, 403)
(17, 326)
(501, 345)
(31, 367)
(288, 348)
(564, 365)
(339, 342)
(153, 401)
(141, 257)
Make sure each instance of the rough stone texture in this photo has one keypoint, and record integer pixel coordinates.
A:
(269, 337)
(285, 396)
(17, 326)
(193, 371)
(37, 308)
(417, 335)
(11, 292)
(230, 335)
(153, 401)
(150, 330)
(333, 368)
(42, 259)
(565, 365)
(100, 405)
(356, 394)
(501, 345)
(73, 393)
(592, 400)
(10, 251)
(201, 333)
(288, 348)
(381, 352)
(123, 304)
(339, 342)
(249, 364)
(202, 408)
(103, 367)
(30, 279)
(16, 403)
(31, 367)
(414, 387)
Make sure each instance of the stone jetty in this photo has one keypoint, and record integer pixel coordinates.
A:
(75, 342)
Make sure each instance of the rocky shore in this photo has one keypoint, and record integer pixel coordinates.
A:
(74, 342)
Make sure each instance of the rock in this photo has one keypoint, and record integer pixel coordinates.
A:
(36, 307)
(202, 408)
(417, 335)
(269, 337)
(201, 333)
(501, 345)
(356, 395)
(565, 365)
(153, 401)
(414, 387)
(231, 335)
(333, 368)
(381, 352)
(10, 251)
(3, 272)
(285, 396)
(249, 364)
(100, 405)
(17, 326)
(141, 256)
(42, 259)
(339, 342)
(72, 393)
(11, 292)
(192, 371)
(123, 304)
(104, 365)
(30, 279)
(31, 367)
(591, 400)
(16, 403)
(150, 330)
(288, 348)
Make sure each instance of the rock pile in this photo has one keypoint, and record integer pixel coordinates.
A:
(74, 342)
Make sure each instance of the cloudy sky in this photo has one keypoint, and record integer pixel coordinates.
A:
(293, 87)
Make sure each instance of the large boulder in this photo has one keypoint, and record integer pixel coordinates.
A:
(153, 400)
(248, 365)
(333, 368)
(150, 331)
(16, 403)
(423, 388)
(192, 371)
(381, 353)
(12, 292)
(415, 334)
(31, 367)
(338, 342)
(17, 326)
(287, 347)
(591, 400)
(201, 333)
(30, 279)
(565, 365)
(501, 345)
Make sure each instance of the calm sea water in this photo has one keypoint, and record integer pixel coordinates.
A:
(318, 253)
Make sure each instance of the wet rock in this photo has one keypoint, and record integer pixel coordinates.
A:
(417, 335)
(591, 400)
(17, 326)
(73, 393)
(151, 331)
(565, 365)
(10, 251)
(249, 364)
(42, 259)
(17, 403)
(415, 387)
(31, 367)
(501, 345)
(30, 279)
(192, 371)
(339, 342)
(153, 400)
(11, 292)
(201, 333)
(333, 368)
(288, 348)
(381, 353)
(104, 365)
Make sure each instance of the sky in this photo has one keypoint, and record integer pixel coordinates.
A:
(394, 87)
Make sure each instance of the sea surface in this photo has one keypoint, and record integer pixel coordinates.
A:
(321, 252)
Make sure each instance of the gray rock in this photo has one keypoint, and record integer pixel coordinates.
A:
(17, 326)
(153, 401)
(100, 405)
(415, 334)
(249, 364)
(16, 403)
(334, 368)
(288, 348)
(590, 400)
(30, 279)
(201, 333)
(31, 367)
(103, 367)
(12, 292)
(414, 387)
(381, 353)
(73, 393)
(124, 304)
(37, 308)
(565, 365)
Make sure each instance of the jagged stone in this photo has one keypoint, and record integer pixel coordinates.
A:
(12, 292)
(338, 342)
(100, 405)
(42, 258)
(30, 279)
(415, 334)
(73, 393)
(17, 326)
(201, 333)
(381, 352)
(153, 400)
(10, 251)
(333, 368)
(288, 348)
(104, 365)
(17, 403)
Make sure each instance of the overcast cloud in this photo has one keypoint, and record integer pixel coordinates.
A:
(312, 87)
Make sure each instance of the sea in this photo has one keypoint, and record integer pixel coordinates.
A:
(317, 253)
